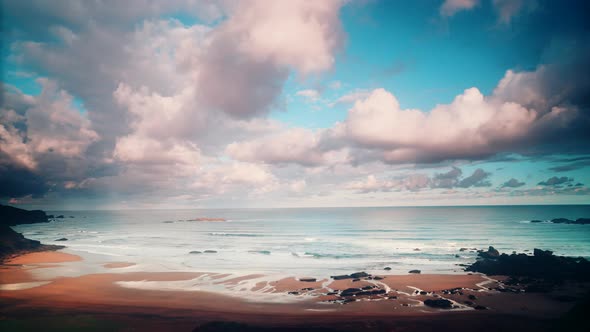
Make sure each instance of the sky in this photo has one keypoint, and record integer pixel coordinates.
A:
(219, 104)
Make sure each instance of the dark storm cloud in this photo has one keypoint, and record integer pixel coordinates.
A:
(452, 179)
(18, 181)
(479, 178)
(556, 181)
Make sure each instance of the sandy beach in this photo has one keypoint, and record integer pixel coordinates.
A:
(391, 300)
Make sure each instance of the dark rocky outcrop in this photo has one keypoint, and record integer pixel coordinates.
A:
(415, 271)
(194, 252)
(210, 251)
(11, 216)
(491, 253)
(439, 303)
(12, 243)
(308, 279)
(542, 265)
(61, 239)
(579, 221)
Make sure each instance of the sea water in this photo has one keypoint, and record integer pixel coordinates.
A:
(316, 242)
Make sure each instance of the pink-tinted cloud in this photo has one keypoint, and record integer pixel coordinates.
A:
(451, 7)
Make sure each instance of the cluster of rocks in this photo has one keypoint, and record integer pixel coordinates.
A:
(579, 221)
(357, 276)
(541, 265)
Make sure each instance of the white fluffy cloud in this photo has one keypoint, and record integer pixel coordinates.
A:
(469, 126)
(297, 145)
(242, 69)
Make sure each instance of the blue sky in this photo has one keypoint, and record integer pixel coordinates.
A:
(245, 104)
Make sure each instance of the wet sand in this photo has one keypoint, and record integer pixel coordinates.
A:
(123, 297)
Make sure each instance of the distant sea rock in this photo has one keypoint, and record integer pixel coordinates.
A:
(207, 219)
(11, 216)
(579, 221)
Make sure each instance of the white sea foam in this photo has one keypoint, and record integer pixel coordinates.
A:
(23, 285)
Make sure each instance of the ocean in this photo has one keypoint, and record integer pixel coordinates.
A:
(316, 242)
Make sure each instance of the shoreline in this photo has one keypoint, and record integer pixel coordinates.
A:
(111, 294)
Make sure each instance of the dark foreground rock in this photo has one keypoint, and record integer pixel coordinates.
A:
(439, 303)
(355, 275)
(13, 243)
(11, 216)
(543, 265)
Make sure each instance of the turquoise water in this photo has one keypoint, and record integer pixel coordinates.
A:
(318, 242)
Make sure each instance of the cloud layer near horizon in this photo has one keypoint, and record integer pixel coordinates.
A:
(138, 105)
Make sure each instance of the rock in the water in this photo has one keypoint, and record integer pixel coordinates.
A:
(542, 253)
(439, 303)
(582, 221)
(62, 239)
(210, 251)
(61, 216)
(415, 271)
(491, 253)
(480, 307)
(536, 221)
(308, 279)
(561, 221)
(387, 268)
(195, 252)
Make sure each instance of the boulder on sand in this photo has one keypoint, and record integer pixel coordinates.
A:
(439, 303)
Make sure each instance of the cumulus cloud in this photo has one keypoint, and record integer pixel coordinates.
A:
(471, 126)
(38, 133)
(297, 145)
(243, 68)
(512, 183)
(451, 7)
